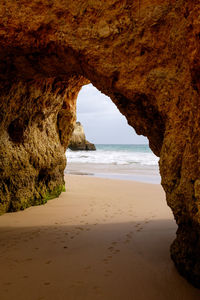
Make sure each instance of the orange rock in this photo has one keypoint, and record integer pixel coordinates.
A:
(144, 54)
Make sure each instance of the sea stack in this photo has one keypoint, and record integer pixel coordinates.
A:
(78, 140)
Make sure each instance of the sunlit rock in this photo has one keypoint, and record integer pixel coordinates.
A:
(145, 55)
(78, 140)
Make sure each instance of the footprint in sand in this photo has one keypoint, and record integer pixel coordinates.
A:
(97, 290)
(114, 243)
(126, 241)
(108, 273)
(88, 268)
(111, 248)
(116, 251)
(139, 229)
(106, 261)
(128, 237)
(79, 282)
(8, 283)
(29, 259)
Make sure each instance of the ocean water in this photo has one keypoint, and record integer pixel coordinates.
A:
(139, 155)
(127, 162)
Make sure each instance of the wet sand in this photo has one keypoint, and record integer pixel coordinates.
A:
(138, 173)
(102, 239)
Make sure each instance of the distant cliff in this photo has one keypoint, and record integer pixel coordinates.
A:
(78, 140)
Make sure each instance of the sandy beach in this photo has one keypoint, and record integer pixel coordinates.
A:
(145, 174)
(101, 239)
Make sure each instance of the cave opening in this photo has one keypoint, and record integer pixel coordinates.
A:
(145, 56)
(120, 152)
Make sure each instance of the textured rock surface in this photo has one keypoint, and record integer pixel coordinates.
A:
(35, 118)
(144, 54)
(78, 140)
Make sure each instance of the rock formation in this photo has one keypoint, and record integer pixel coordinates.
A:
(143, 54)
(78, 140)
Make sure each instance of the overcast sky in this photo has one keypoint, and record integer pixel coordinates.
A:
(102, 121)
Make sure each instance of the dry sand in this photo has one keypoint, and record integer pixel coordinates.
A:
(102, 239)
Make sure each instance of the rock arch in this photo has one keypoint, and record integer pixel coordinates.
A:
(143, 54)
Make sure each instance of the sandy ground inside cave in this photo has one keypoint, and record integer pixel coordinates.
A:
(102, 239)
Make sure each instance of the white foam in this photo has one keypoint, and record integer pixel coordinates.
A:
(112, 157)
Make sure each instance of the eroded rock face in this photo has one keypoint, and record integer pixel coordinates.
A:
(78, 140)
(36, 123)
(145, 55)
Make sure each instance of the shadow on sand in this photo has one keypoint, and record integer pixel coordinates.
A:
(122, 261)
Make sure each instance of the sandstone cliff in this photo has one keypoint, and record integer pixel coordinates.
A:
(145, 55)
(78, 140)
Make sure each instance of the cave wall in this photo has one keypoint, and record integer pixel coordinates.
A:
(144, 54)
(36, 122)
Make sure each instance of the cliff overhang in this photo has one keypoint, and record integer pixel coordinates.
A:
(145, 55)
